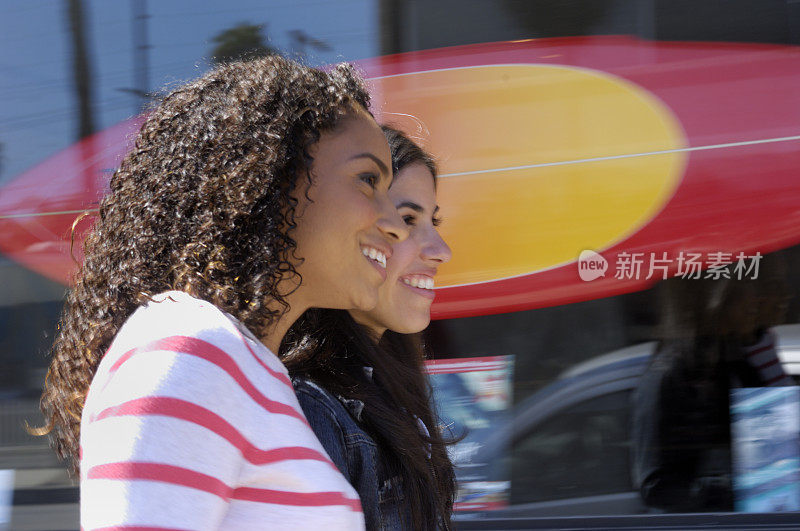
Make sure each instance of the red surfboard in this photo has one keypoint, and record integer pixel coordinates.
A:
(547, 148)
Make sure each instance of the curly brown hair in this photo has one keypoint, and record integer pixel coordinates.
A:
(204, 204)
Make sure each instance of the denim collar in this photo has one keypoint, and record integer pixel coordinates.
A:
(356, 407)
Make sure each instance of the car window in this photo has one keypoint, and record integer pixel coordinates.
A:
(579, 451)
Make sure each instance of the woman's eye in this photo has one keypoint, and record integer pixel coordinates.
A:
(369, 178)
(410, 220)
(436, 221)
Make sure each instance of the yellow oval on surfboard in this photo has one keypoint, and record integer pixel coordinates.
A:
(537, 162)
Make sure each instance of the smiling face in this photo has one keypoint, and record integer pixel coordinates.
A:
(404, 302)
(347, 225)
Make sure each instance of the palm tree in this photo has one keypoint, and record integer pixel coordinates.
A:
(243, 41)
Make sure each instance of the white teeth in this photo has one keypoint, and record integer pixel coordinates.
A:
(374, 254)
(419, 282)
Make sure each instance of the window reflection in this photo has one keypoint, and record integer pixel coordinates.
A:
(715, 337)
(608, 392)
(586, 435)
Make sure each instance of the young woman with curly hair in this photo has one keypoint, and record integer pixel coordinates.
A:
(361, 380)
(251, 195)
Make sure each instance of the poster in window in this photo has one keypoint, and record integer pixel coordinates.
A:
(472, 397)
(6, 494)
(765, 426)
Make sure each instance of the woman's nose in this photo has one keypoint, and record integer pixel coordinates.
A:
(390, 223)
(435, 249)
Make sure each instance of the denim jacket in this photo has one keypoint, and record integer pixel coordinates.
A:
(335, 421)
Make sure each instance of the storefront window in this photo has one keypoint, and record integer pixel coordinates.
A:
(640, 133)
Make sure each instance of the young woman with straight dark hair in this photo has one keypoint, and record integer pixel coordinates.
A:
(360, 375)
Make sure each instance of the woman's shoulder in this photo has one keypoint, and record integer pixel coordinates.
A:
(177, 311)
(313, 394)
(334, 424)
(315, 399)
(178, 322)
(180, 346)
(175, 314)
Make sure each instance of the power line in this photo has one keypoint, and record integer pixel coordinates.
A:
(115, 76)
(262, 9)
(22, 70)
(34, 36)
(47, 120)
(53, 114)
(28, 7)
(61, 61)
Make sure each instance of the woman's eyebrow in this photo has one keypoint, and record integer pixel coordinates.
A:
(410, 204)
(375, 159)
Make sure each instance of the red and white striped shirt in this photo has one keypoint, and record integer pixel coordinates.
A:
(763, 356)
(192, 423)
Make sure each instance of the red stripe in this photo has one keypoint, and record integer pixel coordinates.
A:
(760, 350)
(190, 412)
(777, 378)
(204, 350)
(163, 473)
(135, 528)
(279, 375)
(298, 499)
(196, 480)
(770, 363)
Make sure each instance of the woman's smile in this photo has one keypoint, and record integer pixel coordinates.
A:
(420, 283)
(376, 258)
(404, 303)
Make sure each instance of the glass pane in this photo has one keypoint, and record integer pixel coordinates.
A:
(559, 127)
(577, 451)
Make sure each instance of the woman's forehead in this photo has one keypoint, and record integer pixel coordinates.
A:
(415, 183)
(356, 132)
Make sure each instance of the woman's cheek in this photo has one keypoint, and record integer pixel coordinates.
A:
(367, 208)
(403, 255)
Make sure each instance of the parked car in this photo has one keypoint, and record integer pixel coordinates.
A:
(568, 445)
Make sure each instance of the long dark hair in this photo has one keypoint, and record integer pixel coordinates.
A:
(204, 204)
(331, 348)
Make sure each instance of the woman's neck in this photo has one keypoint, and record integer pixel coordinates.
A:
(274, 334)
(374, 330)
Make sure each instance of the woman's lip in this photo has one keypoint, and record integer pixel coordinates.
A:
(427, 293)
(423, 272)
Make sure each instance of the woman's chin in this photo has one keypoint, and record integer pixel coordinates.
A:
(365, 301)
(412, 325)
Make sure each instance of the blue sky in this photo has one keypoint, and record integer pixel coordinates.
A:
(37, 105)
